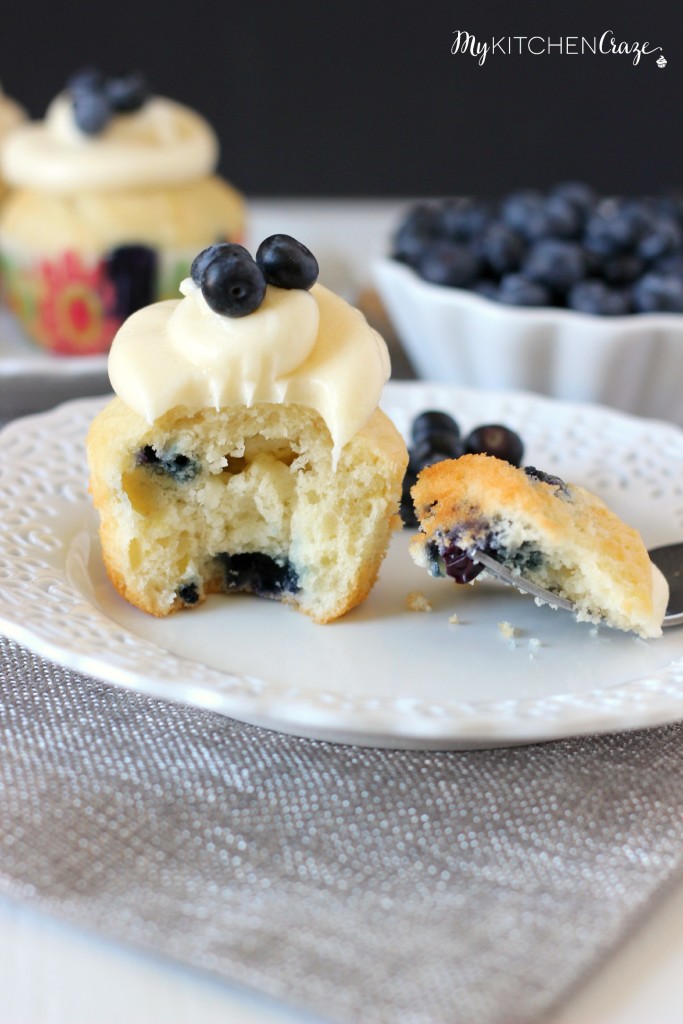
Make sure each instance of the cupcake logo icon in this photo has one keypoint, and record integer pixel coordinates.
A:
(661, 61)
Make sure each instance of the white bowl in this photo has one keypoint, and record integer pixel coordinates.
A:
(634, 363)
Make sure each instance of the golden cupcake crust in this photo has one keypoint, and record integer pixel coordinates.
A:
(188, 216)
(261, 482)
(587, 553)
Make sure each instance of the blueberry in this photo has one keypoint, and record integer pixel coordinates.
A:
(462, 220)
(92, 112)
(287, 263)
(449, 263)
(526, 213)
(546, 478)
(516, 290)
(672, 264)
(623, 269)
(663, 239)
(86, 80)
(576, 192)
(458, 564)
(670, 205)
(407, 508)
(596, 297)
(201, 262)
(188, 593)
(502, 249)
(435, 448)
(421, 227)
(612, 228)
(497, 440)
(556, 264)
(126, 93)
(181, 468)
(565, 219)
(657, 293)
(232, 283)
(487, 289)
(433, 421)
(259, 574)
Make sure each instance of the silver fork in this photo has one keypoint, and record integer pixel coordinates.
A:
(668, 559)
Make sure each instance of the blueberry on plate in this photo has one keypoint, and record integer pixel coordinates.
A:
(658, 293)
(287, 263)
(596, 297)
(435, 448)
(232, 283)
(451, 264)
(555, 263)
(497, 440)
(517, 290)
(433, 421)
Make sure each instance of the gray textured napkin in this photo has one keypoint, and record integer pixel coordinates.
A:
(361, 885)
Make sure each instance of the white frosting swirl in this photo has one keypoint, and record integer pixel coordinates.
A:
(162, 143)
(309, 348)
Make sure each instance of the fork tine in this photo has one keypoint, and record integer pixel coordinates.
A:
(498, 570)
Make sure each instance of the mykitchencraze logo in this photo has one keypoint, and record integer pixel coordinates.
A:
(537, 46)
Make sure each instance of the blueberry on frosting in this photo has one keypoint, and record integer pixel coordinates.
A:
(97, 97)
(126, 93)
(233, 284)
(287, 263)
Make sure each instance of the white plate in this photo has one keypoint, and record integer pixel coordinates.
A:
(32, 379)
(382, 675)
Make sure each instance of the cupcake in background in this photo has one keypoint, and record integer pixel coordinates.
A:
(113, 194)
(11, 115)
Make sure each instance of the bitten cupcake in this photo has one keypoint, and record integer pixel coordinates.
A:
(114, 192)
(11, 116)
(246, 450)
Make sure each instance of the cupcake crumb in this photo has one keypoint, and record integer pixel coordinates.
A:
(417, 602)
(534, 643)
(454, 619)
(507, 630)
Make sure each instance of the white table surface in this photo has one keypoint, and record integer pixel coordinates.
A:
(54, 974)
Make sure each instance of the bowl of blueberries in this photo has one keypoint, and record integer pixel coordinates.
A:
(564, 293)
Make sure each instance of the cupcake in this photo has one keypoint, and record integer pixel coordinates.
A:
(245, 450)
(113, 193)
(11, 115)
(556, 535)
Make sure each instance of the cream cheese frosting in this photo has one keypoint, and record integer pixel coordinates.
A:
(306, 347)
(162, 143)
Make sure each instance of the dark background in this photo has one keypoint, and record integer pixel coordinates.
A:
(357, 99)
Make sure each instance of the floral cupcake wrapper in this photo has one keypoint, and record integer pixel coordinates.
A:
(73, 304)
